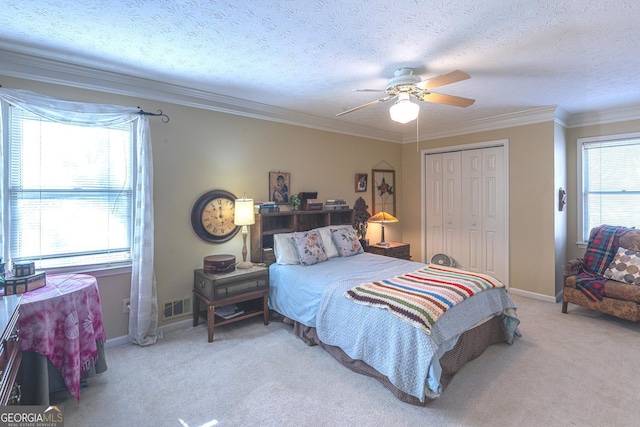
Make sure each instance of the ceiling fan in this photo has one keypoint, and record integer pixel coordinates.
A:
(404, 85)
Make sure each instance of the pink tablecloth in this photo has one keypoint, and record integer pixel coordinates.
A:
(63, 321)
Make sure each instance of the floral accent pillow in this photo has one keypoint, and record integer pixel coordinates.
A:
(310, 248)
(327, 238)
(625, 267)
(346, 241)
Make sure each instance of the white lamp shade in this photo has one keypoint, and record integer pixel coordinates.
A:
(244, 214)
(404, 111)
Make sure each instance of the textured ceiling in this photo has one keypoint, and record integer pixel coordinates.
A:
(306, 57)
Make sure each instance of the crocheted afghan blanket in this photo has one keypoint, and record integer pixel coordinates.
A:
(422, 297)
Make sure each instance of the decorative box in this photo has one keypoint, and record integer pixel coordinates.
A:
(18, 285)
(23, 268)
(305, 197)
(216, 264)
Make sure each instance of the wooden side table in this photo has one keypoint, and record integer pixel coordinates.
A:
(395, 250)
(247, 288)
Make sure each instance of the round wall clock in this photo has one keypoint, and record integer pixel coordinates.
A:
(212, 216)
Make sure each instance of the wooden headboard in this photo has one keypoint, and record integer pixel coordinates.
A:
(268, 224)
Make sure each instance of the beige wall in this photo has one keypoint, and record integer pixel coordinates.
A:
(200, 150)
(532, 197)
(560, 216)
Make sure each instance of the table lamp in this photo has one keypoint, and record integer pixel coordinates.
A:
(244, 216)
(381, 218)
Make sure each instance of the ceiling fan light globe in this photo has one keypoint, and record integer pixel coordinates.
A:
(404, 111)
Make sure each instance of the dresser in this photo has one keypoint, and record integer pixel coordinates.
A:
(10, 351)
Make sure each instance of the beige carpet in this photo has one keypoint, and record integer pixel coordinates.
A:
(576, 369)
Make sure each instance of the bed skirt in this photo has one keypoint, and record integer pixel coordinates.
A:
(471, 344)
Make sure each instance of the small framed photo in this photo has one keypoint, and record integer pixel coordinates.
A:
(279, 184)
(361, 182)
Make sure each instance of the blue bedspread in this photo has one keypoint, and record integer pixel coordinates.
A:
(296, 291)
(407, 356)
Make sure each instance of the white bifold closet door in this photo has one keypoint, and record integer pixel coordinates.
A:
(443, 204)
(466, 209)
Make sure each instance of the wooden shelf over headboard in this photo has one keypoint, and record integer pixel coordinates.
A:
(268, 224)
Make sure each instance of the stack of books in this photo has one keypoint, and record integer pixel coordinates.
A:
(228, 311)
(270, 207)
(312, 205)
(336, 204)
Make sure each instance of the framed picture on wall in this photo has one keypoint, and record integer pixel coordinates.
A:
(361, 182)
(279, 184)
(383, 191)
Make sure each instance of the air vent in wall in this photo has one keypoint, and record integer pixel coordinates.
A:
(176, 308)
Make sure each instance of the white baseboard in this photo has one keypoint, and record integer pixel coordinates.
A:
(124, 339)
(535, 295)
(115, 342)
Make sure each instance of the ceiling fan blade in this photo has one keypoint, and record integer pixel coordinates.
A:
(369, 90)
(386, 98)
(438, 98)
(444, 79)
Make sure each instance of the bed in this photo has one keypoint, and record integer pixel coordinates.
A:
(313, 291)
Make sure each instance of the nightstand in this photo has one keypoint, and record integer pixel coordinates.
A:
(247, 288)
(395, 250)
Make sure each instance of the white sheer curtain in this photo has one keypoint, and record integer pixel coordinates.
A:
(143, 316)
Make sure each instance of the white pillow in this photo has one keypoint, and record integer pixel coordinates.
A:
(285, 249)
(329, 246)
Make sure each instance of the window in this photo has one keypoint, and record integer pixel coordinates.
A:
(68, 192)
(609, 179)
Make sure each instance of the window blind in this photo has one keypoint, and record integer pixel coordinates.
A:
(69, 192)
(610, 183)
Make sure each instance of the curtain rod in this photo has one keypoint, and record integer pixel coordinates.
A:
(165, 118)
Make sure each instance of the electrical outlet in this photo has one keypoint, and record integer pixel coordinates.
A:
(125, 305)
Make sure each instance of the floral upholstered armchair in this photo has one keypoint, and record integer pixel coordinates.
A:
(607, 278)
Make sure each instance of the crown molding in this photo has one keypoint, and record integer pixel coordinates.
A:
(520, 118)
(36, 68)
(603, 117)
(33, 67)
